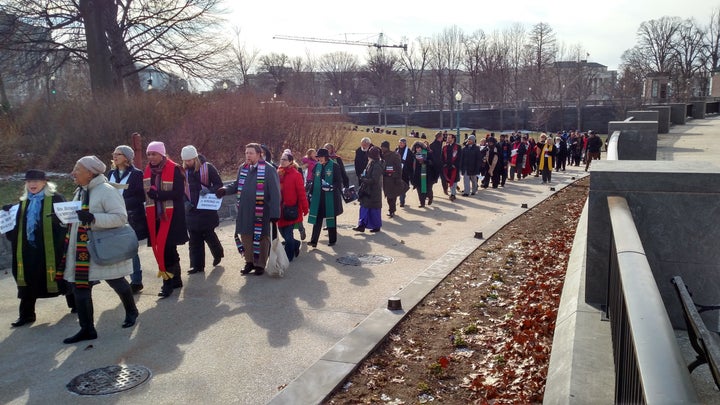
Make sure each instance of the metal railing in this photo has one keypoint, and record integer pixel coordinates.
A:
(649, 367)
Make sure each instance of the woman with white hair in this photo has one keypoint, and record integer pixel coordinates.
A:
(102, 208)
(37, 242)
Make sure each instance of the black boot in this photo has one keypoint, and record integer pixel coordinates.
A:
(248, 268)
(177, 272)
(27, 312)
(131, 311)
(85, 317)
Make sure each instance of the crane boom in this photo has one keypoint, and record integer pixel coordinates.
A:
(377, 45)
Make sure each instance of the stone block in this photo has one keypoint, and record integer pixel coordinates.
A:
(678, 113)
(699, 110)
(674, 206)
(642, 115)
(663, 117)
(638, 139)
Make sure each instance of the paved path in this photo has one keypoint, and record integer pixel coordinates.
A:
(225, 338)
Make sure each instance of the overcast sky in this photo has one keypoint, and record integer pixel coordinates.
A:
(605, 29)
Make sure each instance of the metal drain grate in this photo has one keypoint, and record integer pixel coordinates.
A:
(109, 380)
(364, 259)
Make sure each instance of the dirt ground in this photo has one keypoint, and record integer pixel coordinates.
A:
(484, 335)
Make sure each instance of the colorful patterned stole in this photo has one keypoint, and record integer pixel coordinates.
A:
(259, 205)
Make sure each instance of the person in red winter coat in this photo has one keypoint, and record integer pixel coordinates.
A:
(292, 194)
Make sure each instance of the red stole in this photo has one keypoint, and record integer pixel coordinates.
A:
(159, 235)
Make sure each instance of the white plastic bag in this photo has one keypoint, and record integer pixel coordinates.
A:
(278, 261)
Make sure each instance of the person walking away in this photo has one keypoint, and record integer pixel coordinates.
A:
(424, 174)
(594, 144)
(451, 157)
(326, 202)
(361, 156)
(164, 185)
(292, 194)
(102, 208)
(258, 204)
(494, 164)
(393, 183)
(201, 178)
(546, 153)
(518, 156)
(435, 149)
(130, 179)
(370, 194)
(37, 246)
(562, 152)
(470, 166)
(405, 165)
(504, 146)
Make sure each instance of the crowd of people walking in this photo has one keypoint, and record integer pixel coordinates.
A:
(166, 204)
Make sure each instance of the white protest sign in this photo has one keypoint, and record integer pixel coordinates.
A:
(65, 211)
(209, 202)
(7, 219)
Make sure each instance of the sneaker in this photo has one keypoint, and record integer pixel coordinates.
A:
(452, 197)
(465, 195)
(195, 271)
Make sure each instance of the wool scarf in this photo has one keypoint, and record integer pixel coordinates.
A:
(49, 246)
(259, 205)
(320, 174)
(204, 179)
(159, 211)
(33, 215)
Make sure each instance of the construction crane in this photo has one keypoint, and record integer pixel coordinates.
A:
(379, 44)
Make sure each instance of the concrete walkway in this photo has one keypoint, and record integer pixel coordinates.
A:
(227, 338)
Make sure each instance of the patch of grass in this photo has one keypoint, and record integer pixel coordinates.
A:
(423, 387)
(471, 329)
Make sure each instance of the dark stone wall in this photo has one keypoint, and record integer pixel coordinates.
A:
(592, 117)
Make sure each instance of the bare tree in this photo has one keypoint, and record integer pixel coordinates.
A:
(446, 58)
(415, 62)
(244, 59)
(542, 44)
(712, 39)
(277, 66)
(339, 69)
(381, 76)
(656, 40)
(689, 55)
(119, 38)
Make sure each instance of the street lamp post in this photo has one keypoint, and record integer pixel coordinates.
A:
(458, 100)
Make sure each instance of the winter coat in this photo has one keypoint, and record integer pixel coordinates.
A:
(177, 234)
(134, 197)
(35, 270)
(371, 185)
(432, 174)
(292, 192)
(435, 148)
(108, 207)
(337, 187)
(201, 220)
(393, 183)
(406, 159)
(470, 160)
(361, 160)
(245, 221)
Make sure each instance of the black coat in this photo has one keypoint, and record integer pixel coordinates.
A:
(407, 162)
(134, 196)
(201, 220)
(370, 195)
(361, 161)
(34, 256)
(471, 160)
(178, 228)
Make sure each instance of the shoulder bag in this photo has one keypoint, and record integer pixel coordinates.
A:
(112, 246)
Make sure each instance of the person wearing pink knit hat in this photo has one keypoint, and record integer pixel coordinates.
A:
(164, 185)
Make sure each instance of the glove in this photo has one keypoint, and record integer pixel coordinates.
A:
(220, 193)
(153, 193)
(7, 207)
(86, 217)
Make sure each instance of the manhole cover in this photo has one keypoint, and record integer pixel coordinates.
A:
(109, 380)
(364, 259)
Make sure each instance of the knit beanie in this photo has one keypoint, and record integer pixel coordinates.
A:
(188, 152)
(93, 164)
(157, 147)
(126, 151)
